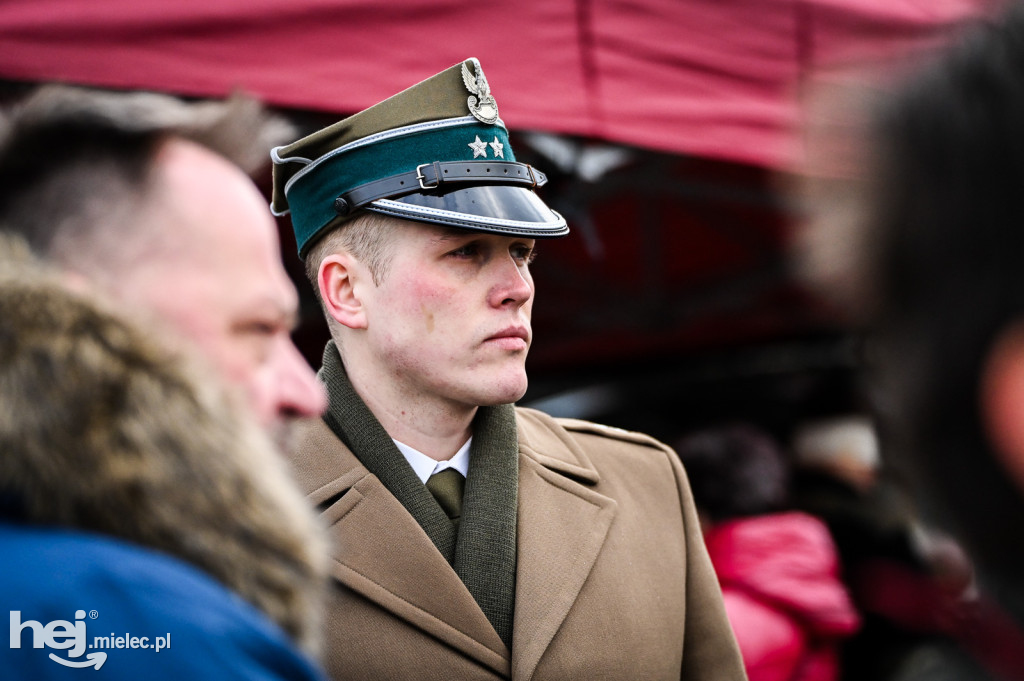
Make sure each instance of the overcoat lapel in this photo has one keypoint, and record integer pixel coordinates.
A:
(382, 553)
(563, 524)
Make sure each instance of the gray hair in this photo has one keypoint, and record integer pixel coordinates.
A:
(75, 163)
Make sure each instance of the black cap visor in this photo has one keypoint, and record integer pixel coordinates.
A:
(499, 209)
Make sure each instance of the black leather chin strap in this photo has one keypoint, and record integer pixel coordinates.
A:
(429, 176)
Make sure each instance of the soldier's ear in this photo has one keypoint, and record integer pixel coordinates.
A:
(340, 279)
(1002, 400)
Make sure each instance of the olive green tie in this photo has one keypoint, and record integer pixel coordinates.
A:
(447, 486)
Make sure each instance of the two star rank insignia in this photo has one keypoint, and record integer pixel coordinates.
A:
(480, 148)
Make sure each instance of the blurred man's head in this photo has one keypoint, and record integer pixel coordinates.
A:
(147, 198)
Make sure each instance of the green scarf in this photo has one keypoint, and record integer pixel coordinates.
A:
(483, 550)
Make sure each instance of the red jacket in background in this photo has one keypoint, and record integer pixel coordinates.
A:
(780, 581)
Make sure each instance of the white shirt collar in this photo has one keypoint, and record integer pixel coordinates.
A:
(425, 466)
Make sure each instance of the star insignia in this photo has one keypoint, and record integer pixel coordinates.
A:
(499, 148)
(479, 148)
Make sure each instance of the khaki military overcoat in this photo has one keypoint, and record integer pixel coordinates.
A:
(612, 578)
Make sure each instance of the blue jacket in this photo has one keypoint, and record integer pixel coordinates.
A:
(128, 613)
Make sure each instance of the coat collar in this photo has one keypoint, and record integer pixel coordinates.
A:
(383, 554)
(483, 552)
(563, 523)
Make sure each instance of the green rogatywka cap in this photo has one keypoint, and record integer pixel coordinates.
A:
(436, 152)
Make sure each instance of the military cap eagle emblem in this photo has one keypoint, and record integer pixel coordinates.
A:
(481, 103)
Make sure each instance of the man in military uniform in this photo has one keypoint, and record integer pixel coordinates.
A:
(473, 539)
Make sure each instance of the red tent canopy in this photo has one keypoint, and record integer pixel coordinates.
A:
(711, 78)
(659, 122)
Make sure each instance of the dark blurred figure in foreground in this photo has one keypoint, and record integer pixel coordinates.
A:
(939, 274)
(139, 500)
(779, 570)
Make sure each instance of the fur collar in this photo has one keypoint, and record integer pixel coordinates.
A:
(101, 430)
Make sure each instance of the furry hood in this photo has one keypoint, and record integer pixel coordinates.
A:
(102, 430)
(789, 561)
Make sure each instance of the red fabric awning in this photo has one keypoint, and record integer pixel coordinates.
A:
(712, 78)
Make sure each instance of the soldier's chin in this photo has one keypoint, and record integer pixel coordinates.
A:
(507, 392)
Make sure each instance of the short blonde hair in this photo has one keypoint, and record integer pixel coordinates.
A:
(367, 237)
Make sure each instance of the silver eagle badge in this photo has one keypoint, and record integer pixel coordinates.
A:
(481, 103)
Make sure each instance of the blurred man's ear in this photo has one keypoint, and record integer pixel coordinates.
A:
(1002, 400)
